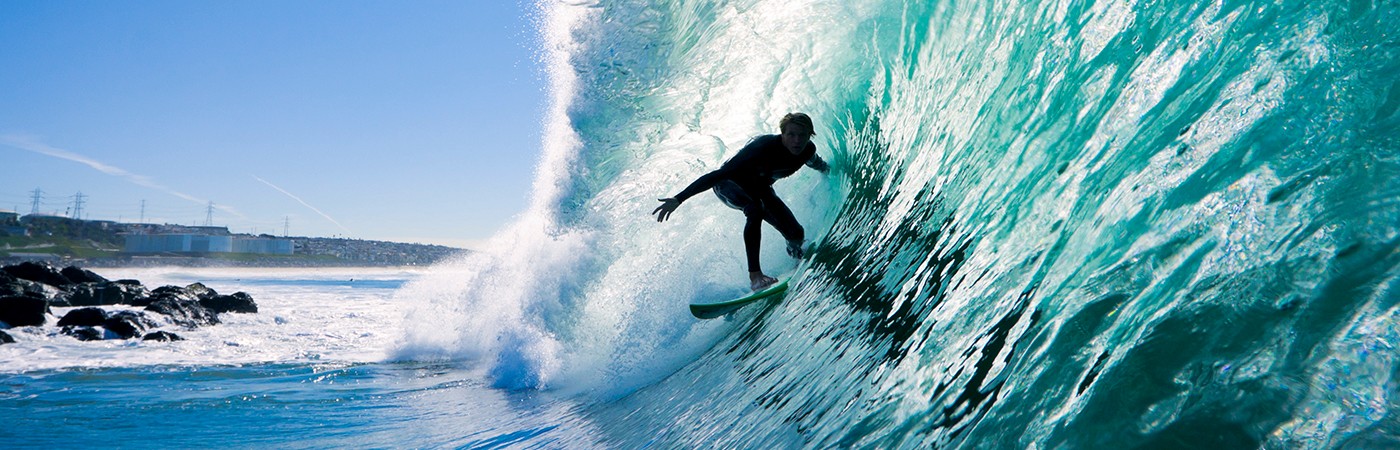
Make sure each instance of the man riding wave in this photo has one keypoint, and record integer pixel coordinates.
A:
(745, 182)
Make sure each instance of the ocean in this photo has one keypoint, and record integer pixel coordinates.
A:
(314, 368)
(1104, 224)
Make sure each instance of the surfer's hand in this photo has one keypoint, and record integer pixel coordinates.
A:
(819, 164)
(668, 206)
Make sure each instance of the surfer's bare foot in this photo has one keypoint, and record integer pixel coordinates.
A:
(758, 281)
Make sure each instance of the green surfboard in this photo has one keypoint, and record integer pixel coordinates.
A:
(716, 309)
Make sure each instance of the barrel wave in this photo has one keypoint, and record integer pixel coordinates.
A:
(1049, 224)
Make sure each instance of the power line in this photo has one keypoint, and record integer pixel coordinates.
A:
(209, 215)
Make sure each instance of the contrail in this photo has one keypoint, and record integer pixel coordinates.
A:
(29, 144)
(304, 203)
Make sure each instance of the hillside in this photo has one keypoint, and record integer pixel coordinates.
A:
(101, 243)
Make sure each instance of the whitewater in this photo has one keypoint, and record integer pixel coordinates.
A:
(1053, 224)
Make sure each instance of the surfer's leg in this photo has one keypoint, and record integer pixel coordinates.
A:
(778, 215)
(735, 197)
(753, 234)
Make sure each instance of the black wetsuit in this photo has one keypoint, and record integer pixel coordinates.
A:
(745, 182)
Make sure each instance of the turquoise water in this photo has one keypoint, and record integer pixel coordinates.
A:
(276, 405)
(1115, 224)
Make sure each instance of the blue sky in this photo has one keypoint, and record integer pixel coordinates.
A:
(408, 121)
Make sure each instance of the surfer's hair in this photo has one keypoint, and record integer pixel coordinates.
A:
(799, 119)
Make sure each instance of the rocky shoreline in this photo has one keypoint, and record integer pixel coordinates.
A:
(29, 291)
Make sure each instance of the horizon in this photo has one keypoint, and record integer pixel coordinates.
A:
(415, 123)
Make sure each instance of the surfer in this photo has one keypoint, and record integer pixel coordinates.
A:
(745, 183)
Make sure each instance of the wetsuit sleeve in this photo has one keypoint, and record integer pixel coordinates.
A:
(703, 183)
(816, 162)
(709, 180)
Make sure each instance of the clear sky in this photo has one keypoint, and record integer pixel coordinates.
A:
(415, 121)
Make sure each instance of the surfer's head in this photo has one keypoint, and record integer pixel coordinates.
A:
(799, 119)
(797, 131)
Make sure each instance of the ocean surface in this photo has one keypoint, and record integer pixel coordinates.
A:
(1054, 224)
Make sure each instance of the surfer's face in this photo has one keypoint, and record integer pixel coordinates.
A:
(795, 138)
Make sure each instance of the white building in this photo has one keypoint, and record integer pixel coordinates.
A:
(202, 243)
(262, 245)
(178, 243)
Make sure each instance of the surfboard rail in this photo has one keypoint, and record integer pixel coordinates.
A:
(716, 309)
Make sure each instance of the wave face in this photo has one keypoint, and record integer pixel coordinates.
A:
(1051, 224)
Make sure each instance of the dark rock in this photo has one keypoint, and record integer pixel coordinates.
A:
(131, 282)
(183, 312)
(85, 317)
(104, 293)
(80, 275)
(84, 333)
(239, 302)
(163, 336)
(23, 311)
(174, 292)
(41, 272)
(10, 285)
(128, 324)
(166, 292)
(5, 338)
(201, 291)
(55, 296)
(21, 287)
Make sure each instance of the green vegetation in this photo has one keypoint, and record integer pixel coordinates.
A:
(60, 246)
(57, 229)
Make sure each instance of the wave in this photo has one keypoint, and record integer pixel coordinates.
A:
(1049, 224)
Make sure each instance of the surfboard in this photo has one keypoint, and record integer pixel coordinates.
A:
(717, 309)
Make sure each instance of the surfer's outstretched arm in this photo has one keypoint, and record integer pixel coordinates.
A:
(705, 182)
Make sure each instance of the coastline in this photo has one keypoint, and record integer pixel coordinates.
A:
(242, 261)
(67, 241)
